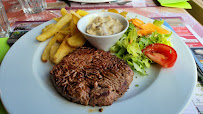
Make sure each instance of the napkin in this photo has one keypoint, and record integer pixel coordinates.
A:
(175, 3)
(4, 47)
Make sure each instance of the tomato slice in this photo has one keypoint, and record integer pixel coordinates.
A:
(161, 54)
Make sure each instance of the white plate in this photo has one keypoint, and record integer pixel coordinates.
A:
(26, 87)
(92, 1)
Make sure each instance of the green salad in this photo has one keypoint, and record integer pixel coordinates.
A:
(130, 45)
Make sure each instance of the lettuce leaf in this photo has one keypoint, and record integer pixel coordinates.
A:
(158, 23)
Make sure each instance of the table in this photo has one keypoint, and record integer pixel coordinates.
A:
(180, 20)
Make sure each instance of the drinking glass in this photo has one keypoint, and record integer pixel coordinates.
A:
(33, 6)
(4, 24)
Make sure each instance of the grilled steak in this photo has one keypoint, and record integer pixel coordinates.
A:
(91, 77)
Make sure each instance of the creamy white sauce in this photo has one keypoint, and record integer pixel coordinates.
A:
(103, 26)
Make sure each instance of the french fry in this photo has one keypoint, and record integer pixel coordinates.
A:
(65, 30)
(103, 10)
(81, 12)
(50, 25)
(77, 40)
(53, 50)
(63, 11)
(75, 16)
(59, 37)
(73, 29)
(123, 13)
(63, 50)
(54, 29)
(57, 18)
(113, 10)
(62, 33)
(45, 55)
(47, 27)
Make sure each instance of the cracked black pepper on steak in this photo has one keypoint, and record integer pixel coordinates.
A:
(91, 77)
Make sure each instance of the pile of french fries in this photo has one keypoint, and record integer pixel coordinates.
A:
(64, 35)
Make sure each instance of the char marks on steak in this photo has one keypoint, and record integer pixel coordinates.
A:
(91, 77)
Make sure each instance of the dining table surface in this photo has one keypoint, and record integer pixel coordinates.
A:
(181, 20)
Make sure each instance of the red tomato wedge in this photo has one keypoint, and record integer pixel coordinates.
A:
(162, 54)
